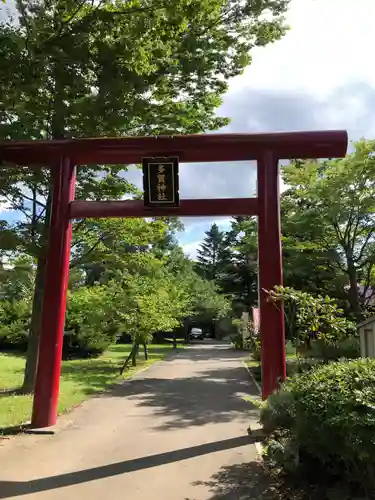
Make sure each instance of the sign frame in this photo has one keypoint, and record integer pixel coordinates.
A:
(149, 166)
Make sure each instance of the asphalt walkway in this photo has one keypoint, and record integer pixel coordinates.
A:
(177, 431)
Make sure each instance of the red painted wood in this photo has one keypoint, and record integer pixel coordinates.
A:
(189, 148)
(54, 298)
(270, 274)
(135, 208)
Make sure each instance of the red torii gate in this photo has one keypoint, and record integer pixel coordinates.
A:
(63, 155)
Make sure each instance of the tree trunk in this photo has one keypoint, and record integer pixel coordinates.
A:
(187, 328)
(145, 350)
(36, 314)
(33, 340)
(126, 361)
(135, 353)
(213, 330)
(353, 290)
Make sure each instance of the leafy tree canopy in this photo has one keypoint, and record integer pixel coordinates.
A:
(328, 215)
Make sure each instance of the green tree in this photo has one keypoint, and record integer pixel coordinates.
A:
(329, 214)
(242, 279)
(17, 278)
(28, 193)
(229, 258)
(102, 246)
(16, 290)
(134, 68)
(155, 303)
(207, 304)
(213, 255)
(307, 264)
(92, 321)
(138, 297)
(312, 318)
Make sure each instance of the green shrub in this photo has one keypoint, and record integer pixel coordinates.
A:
(290, 348)
(14, 324)
(348, 348)
(256, 351)
(312, 317)
(279, 412)
(327, 416)
(90, 323)
(238, 342)
(87, 342)
(252, 340)
(294, 366)
(298, 365)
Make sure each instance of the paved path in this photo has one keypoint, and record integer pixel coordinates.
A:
(177, 431)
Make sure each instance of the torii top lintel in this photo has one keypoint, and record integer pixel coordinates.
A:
(189, 148)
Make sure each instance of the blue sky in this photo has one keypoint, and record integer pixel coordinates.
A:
(319, 76)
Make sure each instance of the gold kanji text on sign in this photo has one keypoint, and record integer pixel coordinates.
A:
(161, 187)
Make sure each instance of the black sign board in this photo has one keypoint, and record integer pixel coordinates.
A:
(160, 182)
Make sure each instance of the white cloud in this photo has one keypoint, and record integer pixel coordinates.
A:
(329, 44)
(4, 206)
(190, 249)
(198, 223)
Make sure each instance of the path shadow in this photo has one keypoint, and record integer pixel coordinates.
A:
(10, 489)
(96, 375)
(13, 354)
(211, 396)
(255, 481)
(92, 377)
(189, 402)
(211, 351)
(13, 430)
(247, 481)
(16, 391)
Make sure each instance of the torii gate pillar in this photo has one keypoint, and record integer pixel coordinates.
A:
(270, 273)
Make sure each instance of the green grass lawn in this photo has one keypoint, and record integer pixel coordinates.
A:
(79, 379)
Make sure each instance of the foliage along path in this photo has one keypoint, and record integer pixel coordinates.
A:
(176, 431)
